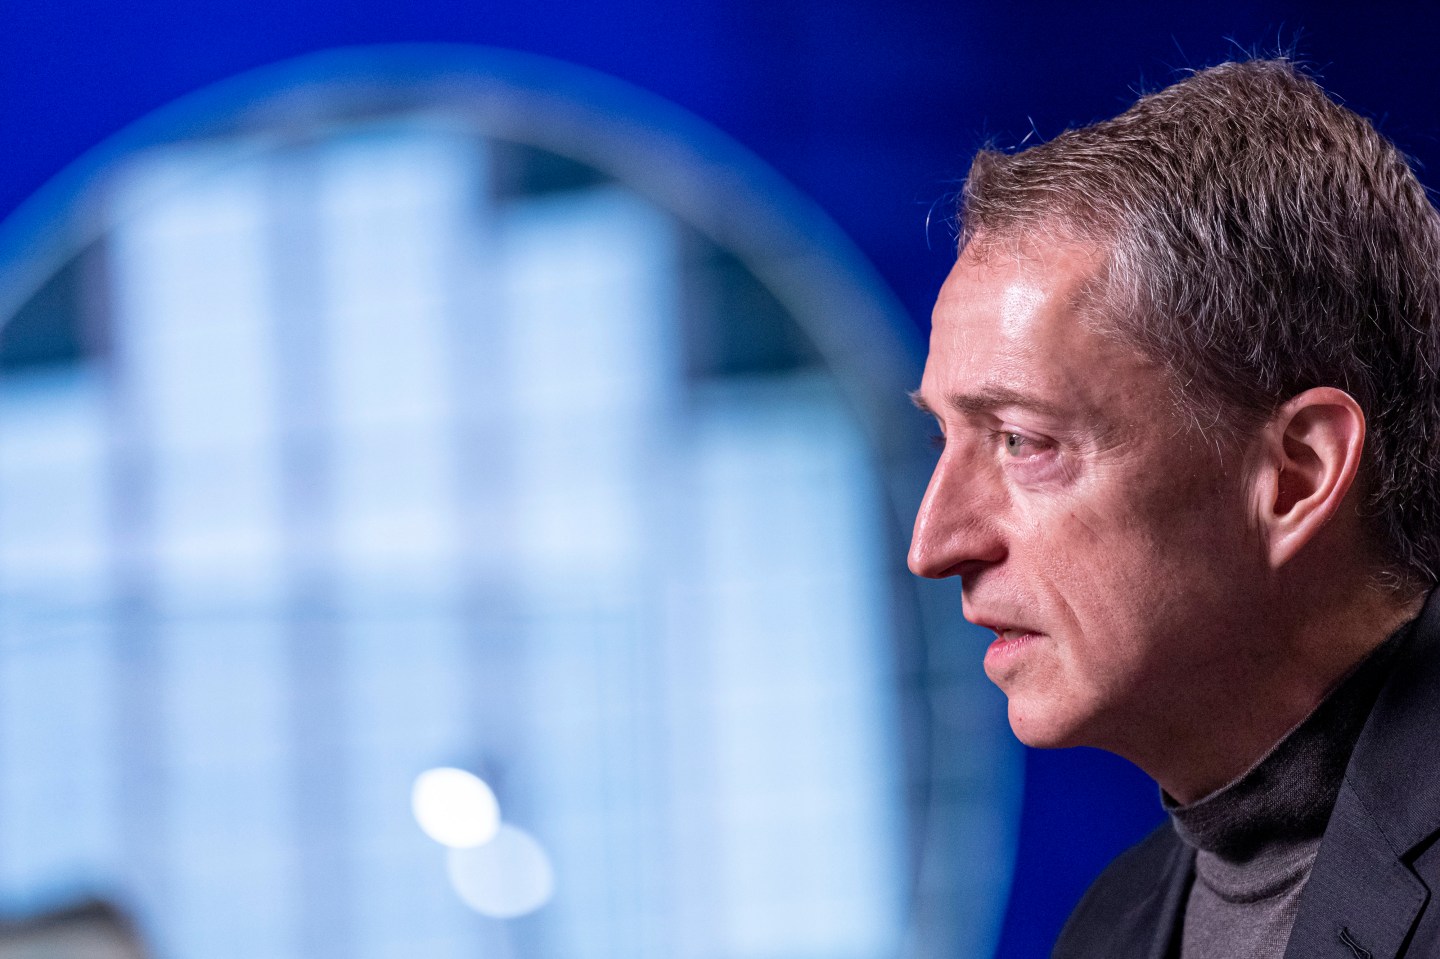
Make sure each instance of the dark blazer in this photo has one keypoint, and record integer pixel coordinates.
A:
(1370, 891)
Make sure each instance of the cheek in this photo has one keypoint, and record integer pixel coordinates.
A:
(1125, 549)
(1147, 581)
(1112, 569)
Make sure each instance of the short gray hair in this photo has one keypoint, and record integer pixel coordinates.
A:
(1263, 240)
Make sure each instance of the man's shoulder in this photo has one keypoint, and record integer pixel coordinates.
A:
(1127, 901)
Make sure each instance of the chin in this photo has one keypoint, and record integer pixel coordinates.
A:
(1041, 728)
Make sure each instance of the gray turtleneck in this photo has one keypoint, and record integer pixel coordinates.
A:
(1255, 839)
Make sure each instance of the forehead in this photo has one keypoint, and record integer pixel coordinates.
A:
(1010, 321)
(1015, 291)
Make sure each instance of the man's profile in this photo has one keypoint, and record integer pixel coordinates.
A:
(1187, 372)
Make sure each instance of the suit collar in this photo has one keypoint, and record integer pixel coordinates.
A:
(1362, 896)
(1404, 801)
(1150, 928)
(1166, 907)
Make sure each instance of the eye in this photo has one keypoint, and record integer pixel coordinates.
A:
(1018, 445)
(937, 442)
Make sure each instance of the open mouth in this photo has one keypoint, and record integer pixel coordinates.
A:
(1008, 645)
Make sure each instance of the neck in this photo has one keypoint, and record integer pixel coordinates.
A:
(1230, 723)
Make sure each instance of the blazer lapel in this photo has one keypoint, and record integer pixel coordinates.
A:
(1362, 899)
(1151, 928)
(1163, 910)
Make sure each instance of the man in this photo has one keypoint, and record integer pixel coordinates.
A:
(1187, 372)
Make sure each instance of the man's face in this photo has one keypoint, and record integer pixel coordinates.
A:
(1093, 530)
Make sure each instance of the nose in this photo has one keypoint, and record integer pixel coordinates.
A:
(957, 527)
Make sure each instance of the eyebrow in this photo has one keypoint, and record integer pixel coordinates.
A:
(990, 399)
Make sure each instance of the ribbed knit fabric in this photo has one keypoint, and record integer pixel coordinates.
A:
(1256, 838)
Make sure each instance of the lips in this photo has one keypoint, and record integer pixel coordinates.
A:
(1003, 629)
(1008, 652)
(1012, 639)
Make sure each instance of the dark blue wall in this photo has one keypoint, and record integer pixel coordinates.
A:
(871, 108)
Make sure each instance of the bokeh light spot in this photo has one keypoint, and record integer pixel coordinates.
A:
(455, 808)
(507, 877)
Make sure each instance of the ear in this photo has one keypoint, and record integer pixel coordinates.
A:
(1309, 458)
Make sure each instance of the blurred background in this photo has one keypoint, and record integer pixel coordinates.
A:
(455, 473)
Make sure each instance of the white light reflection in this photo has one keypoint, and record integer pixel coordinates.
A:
(509, 876)
(455, 808)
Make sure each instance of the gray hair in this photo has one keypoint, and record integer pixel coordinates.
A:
(1262, 240)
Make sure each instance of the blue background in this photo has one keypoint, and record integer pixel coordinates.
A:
(871, 109)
